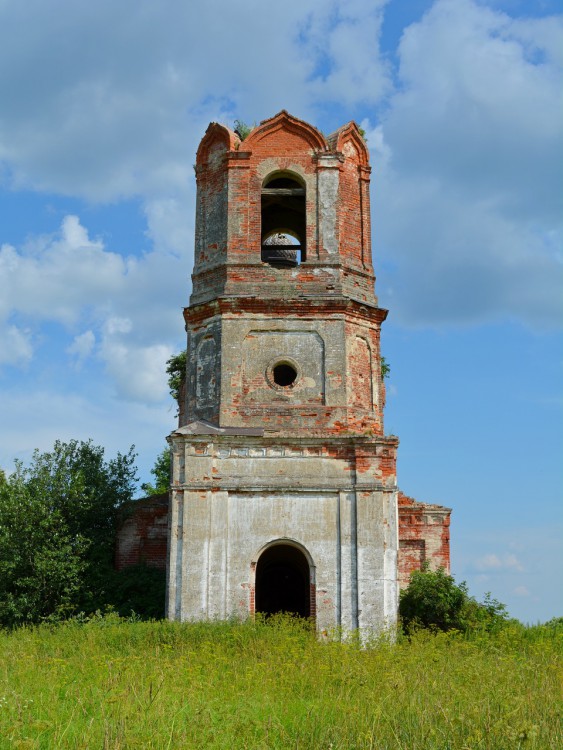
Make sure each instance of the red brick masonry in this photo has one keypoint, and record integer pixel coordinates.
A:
(424, 536)
(142, 535)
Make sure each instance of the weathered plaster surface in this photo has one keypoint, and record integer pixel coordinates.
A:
(241, 494)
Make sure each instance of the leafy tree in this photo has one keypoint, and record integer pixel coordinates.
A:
(176, 370)
(58, 519)
(161, 473)
(434, 600)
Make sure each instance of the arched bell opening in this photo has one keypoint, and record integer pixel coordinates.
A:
(283, 221)
(284, 582)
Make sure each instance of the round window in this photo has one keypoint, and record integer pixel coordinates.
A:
(284, 374)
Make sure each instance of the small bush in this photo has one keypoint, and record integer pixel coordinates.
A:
(434, 600)
(243, 130)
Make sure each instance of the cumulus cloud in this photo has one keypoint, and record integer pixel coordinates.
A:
(347, 42)
(16, 346)
(464, 132)
(52, 415)
(170, 222)
(131, 305)
(467, 199)
(109, 100)
(55, 277)
(138, 372)
(526, 557)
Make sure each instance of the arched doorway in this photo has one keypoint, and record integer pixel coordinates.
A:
(283, 581)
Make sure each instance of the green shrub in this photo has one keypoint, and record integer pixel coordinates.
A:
(176, 371)
(243, 130)
(141, 590)
(434, 600)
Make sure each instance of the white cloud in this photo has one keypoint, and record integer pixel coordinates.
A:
(487, 112)
(138, 372)
(118, 108)
(36, 417)
(526, 558)
(132, 306)
(55, 277)
(114, 326)
(349, 44)
(467, 198)
(170, 222)
(16, 346)
(488, 562)
(82, 345)
(466, 168)
(492, 562)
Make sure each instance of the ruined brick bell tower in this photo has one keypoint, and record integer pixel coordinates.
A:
(284, 494)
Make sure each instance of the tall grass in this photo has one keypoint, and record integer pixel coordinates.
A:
(109, 683)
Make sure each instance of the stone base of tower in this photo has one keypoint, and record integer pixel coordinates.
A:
(260, 523)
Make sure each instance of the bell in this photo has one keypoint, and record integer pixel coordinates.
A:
(280, 256)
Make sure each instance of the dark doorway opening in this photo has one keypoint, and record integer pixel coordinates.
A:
(283, 581)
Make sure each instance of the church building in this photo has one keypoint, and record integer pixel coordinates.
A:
(284, 492)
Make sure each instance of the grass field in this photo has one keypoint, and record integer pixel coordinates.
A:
(109, 683)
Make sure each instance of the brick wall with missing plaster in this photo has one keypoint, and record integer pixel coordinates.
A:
(424, 536)
(142, 534)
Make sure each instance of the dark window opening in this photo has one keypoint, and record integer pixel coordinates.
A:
(284, 375)
(283, 222)
(283, 579)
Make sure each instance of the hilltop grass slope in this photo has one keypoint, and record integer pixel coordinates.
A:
(110, 683)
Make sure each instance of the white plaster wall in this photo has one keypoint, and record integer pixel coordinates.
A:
(223, 533)
(257, 519)
(234, 496)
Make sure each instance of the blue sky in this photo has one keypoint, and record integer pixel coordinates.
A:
(102, 107)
